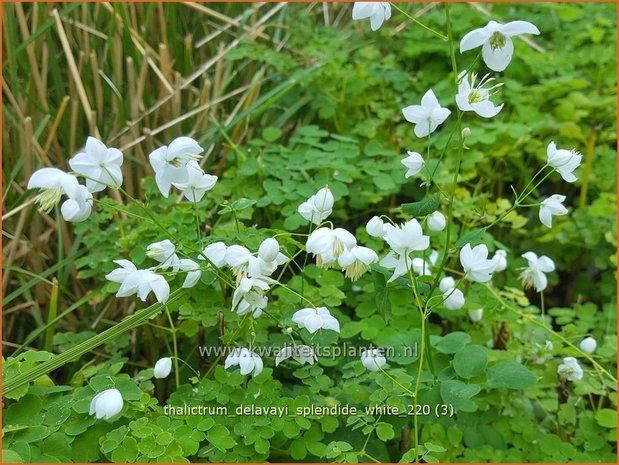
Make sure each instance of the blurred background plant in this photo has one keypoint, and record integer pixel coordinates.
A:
(286, 98)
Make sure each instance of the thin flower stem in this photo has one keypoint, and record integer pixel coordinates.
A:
(283, 286)
(408, 391)
(419, 23)
(175, 345)
(197, 373)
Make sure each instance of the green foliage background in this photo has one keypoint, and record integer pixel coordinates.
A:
(328, 112)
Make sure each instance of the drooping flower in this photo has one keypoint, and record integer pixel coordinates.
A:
(453, 298)
(197, 182)
(162, 368)
(269, 250)
(378, 12)
(476, 315)
(552, 206)
(301, 353)
(563, 161)
(216, 253)
(588, 345)
(373, 359)
(533, 275)
(475, 263)
(406, 238)
(427, 116)
(249, 296)
(237, 258)
(476, 97)
(570, 369)
(328, 244)
(165, 253)
(375, 227)
(100, 165)
(169, 162)
(318, 207)
(356, 261)
(140, 282)
(106, 404)
(500, 260)
(314, 319)
(414, 164)
(193, 272)
(495, 38)
(436, 221)
(248, 361)
(78, 207)
(53, 184)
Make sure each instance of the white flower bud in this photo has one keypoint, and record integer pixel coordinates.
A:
(106, 404)
(375, 227)
(373, 359)
(436, 221)
(466, 132)
(163, 367)
(500, 260)
(476, 315)
(588, 345)
(447, 283)
(454, 299)
(269, 250)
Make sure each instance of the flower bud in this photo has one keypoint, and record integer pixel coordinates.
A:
(588, 345)
(447, 283)
(454, 299)
(269, 249)
(323, 200)
(106, 404)
(216, 253)
(289, 330)
(436, 221)
(476, 315)
(466, 132)
(163, 367)
(500, 260)
(375, 227)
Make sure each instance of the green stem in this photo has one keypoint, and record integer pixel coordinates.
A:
(175, 345)
(419, 23)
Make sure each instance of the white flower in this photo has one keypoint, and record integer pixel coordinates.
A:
(53, 183)
(399, 263)
(301, 353)
(216, 253)
(162, 368)
(454, 299)
(476, 315)
(373, 359)
(474, 97)
(588, 345)
(406, 238)
(328, 244)
(269, 250)
(500, 260)
(375, 227)
(498, 47)
(197, 182)
(570, 369)
(421, 267)
(446, 284)
(356, 261)
(248, 361)
(78, 207)
(476, 264)
(249, 296)
(169, 162)
(552, 206)
(534, 275)
(314, 319)
(164, 253)
(140, 282)
(99, 165)
(414, 164)
(563, 161)
(106, 404)
(318, 207)
(193, 272)
(237, 257)
(378, 12)
(427, 116)
(436, 221)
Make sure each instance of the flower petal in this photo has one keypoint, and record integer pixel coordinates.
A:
(515, 28)
(473, 39)
(497, 59)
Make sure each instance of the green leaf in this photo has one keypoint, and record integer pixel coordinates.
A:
(453, 342)
(459, 395)
(271, 134)
(384, 431)
(219, 436)
(606, 418)
(470, 237)
(381, 295)
(511, 375)
(470, 361)
(423, 207)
